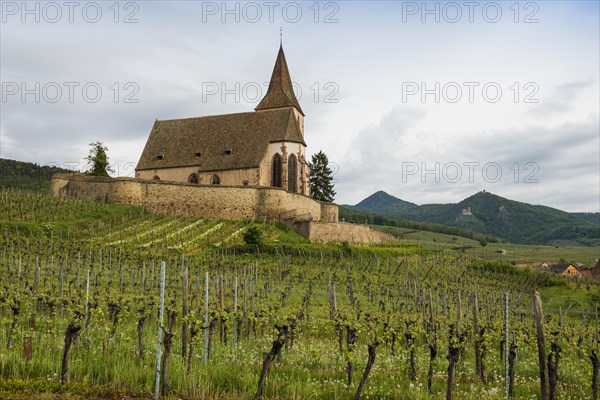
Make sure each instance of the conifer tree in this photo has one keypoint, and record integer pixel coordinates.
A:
(321, 178)
(98, 160)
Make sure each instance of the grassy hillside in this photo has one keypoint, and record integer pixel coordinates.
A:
(33, 214)
(493, 217)
(26, 175)
(45, 218)
(507, 252)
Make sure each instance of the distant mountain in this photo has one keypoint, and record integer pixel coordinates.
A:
(26, 175)
(383, 203)
(496, 216)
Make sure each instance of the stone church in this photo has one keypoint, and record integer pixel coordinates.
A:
(264, 148)
(245, 166)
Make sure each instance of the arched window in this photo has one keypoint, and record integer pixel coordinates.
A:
(156, 178)
(292, 174)
(215, 180)
(193, 178)
(276, 171)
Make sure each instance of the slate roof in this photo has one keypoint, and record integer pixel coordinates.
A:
(176, 143)
(560, 268)
(280, 92)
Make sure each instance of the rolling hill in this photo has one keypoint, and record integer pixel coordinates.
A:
(493, 215)
(26, 175)
(382, 203)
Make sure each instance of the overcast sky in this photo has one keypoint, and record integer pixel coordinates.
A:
(431, 102)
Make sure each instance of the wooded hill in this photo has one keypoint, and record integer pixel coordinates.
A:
(26, 175)
(492, 215)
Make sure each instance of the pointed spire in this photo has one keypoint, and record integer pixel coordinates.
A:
(280, 92)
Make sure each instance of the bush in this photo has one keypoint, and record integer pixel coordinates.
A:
(253, 236)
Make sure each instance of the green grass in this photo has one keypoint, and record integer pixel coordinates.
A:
(281, 233)
(572, 254)
(508, 252)
(313, 369)
(569, 297)
(428, 236)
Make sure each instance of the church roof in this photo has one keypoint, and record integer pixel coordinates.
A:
(280, 92)
(218, 142)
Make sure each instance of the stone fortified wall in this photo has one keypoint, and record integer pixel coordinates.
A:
(312, 219)
(186, 199)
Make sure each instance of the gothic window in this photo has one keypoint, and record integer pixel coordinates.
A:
(193, 178)
(276, 171)
(292, 174)
(215, 180)
(156, 178)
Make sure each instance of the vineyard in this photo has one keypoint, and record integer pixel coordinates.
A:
(82, 314)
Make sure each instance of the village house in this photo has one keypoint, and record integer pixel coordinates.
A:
(566, 270)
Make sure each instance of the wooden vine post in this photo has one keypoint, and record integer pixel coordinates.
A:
(477, 341)
(507, 385)
(539, 324)
(205, 355)
(185, 310)
(159, 339)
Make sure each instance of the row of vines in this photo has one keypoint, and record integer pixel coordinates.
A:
(82, 311)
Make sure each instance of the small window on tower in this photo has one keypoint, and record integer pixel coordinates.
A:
(160, 156)
(228, 151)
(198, 153)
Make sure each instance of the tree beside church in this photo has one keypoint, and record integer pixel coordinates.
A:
(98, 160)
(321, 178)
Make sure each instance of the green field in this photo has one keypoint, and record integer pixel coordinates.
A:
(509, 252)
(326, 305)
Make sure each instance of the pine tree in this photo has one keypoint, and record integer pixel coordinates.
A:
(98, 159)
(321, 178)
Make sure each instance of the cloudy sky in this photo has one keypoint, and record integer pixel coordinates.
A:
(431, 102)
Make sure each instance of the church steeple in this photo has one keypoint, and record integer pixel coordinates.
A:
(280, 92)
